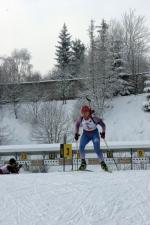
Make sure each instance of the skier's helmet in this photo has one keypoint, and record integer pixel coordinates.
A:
(12, 161)
(85, 108)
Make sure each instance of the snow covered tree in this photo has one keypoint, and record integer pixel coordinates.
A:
(35, 76)
(92, 54)
(63, 50)
(52, 123)
(117, 65)
(63, 57)
(100, 65)
(5, 135)
(22, 62)
(16, 68)
(121, 86)
(146, 104)
(5, 130)
(136, 41)
(31, 111)
(8, 70)
(77, 58)
(11, 95)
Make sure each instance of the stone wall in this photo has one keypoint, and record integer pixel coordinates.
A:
(43, 90)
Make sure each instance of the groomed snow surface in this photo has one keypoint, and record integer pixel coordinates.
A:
(76, 198)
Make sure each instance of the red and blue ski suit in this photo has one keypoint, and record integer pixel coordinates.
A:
(90, 133)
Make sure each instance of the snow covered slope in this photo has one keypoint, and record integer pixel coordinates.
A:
(126, 120)
(76, 198)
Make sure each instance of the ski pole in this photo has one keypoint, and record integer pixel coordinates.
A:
(76, 155)
(109, 150)
(89, 101)
(77, 152)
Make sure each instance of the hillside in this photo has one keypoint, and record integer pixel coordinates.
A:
(125, 121)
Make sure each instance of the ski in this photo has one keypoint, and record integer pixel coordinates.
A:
(108, 171)
(86, 170)
(77, 170)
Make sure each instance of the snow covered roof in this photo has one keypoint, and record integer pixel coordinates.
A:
(30, 148)
(126, 145)
(56, 147)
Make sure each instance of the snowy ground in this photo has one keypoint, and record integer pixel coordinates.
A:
(81, 198)
(76, 198)
(126, 120)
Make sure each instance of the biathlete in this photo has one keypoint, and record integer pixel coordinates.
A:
(11, 167)
(89, 123)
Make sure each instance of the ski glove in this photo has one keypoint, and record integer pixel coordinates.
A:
(76, 136)
(102, 134)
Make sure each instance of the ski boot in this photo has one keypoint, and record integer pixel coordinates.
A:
(83, 165)
(104, 166)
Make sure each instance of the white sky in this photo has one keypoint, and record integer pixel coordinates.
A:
(36, 24)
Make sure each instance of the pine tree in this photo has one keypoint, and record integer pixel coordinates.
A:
(77, 58)
(106, 66)
(63, 50)
(92, 55)
(100, 67)
(63, 53)
(123, 86)
(120, 86)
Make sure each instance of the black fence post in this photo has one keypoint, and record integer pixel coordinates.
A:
(65, 141)
(131, 159)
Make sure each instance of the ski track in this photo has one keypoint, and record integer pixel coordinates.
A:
(58, 198)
